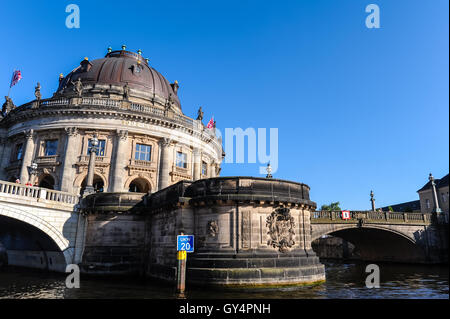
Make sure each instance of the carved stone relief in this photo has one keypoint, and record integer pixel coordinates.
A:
(281, 227)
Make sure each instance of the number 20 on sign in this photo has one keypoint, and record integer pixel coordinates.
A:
(185, 243)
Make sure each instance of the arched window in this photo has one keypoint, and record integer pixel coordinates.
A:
(47, 181)
(98, 184)
(139, 185)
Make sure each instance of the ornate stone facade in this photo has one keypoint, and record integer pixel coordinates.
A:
(146, 142)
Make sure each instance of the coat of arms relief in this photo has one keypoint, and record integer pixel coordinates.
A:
(281, 229)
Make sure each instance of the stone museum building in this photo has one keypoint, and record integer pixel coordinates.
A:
(146, 143)
(111, 170)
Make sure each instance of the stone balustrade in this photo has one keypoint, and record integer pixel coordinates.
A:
(37, 193)
(371, 217)
(47, 159)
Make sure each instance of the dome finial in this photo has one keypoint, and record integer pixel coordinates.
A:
(140, 52)
(109, 49)
(124, 47)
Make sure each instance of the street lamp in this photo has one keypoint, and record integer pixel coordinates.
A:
(91, 168)
(32, 170)
(269, 171)
(433, 189)
(372, 200)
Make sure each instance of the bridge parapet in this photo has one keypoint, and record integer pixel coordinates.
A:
(37, 194)
(321, 217)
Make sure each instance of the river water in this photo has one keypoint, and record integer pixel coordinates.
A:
(345, 280)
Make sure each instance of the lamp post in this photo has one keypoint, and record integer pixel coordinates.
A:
(433, 189)
(372, 200)
(91, 168)
(32, 170)
(269, 171)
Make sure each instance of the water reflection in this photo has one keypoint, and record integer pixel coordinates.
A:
(344, 281)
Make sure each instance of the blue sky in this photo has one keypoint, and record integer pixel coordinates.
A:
(357, 109)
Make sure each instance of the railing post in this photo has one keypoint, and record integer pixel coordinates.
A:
(405, 217)
(42, 193)
(386, 215)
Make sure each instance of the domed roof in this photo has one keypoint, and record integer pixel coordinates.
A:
(118, 69)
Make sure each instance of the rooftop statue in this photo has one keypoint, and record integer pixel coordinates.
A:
(37, 91)
(8, 105)
(126, 91)
(77, 87)
(200, 114)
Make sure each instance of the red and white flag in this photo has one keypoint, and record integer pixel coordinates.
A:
(15, 78)
(210, 123)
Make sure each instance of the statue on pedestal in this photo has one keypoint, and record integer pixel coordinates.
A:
(7, 106)
(37, 91)
(77, 87)
(200, 114)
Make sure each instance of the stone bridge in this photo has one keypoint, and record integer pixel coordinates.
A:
(43, 228)
(39, 227)
(387, 236)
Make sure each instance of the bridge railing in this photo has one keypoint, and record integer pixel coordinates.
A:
(38, 193)
(371, 216)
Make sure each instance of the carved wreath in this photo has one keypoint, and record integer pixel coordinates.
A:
(281, 229)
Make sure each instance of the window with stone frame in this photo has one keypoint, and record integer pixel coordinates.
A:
(143, 152)
(18, 152)
(427, 203)
(50, 147)
(181, 160)
(204, 168)
(100, 147)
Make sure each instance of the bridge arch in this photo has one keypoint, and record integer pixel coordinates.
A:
(378, 242)
(43, 226)
(327, 229)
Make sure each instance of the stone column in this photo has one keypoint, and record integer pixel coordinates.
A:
(27, 156)
(70, 157)
(164, 163)
(197, 164)
(120, 162)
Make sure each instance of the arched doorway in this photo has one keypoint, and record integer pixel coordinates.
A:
(47, 181)
(139, 185)
(98, 184)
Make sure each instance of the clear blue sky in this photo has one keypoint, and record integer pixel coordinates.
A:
(356, 108)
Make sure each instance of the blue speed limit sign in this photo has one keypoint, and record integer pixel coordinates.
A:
(186, 243)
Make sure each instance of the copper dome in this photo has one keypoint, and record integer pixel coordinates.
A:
(119, 68)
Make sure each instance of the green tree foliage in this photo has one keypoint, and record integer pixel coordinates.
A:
(332, 207)
(390, 209)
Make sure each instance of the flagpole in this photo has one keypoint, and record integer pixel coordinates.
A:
(10, 86)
